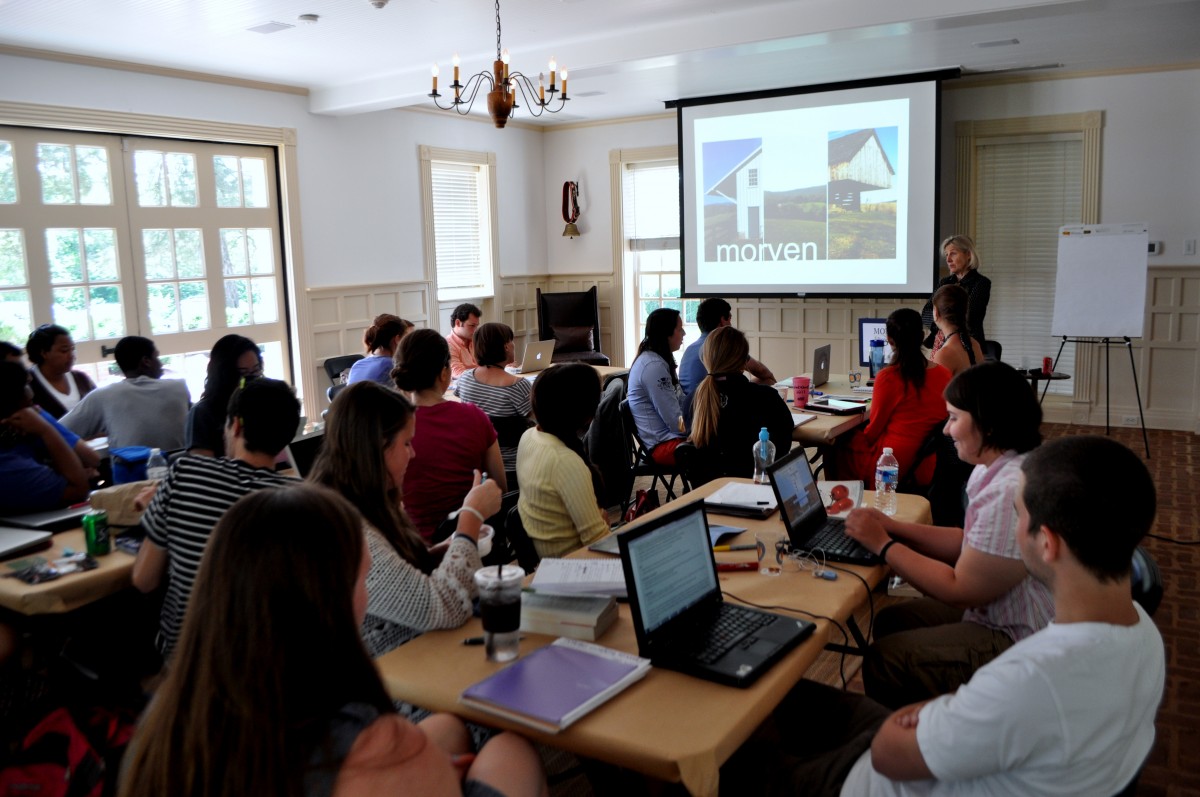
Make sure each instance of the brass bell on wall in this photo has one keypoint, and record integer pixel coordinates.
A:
(570, 209)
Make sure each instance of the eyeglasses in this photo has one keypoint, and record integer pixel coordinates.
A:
(252, 372)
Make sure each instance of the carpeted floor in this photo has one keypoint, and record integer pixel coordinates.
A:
(1173, 768)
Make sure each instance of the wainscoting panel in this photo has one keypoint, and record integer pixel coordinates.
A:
(339, 315)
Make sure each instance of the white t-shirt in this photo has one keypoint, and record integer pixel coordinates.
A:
(1068, 710)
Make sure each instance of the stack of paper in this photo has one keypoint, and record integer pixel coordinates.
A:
(556, 685)
(575, 616)
(743, 500)
(580, 577)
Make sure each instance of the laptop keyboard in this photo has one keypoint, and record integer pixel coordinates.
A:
(832, 539)
(731, 625)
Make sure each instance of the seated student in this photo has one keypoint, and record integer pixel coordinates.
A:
(11, 353)
(655, 397)
(452, 439)
(503, 396)
(263, 417)
(56, 387)
(367, 451)
(958, 350)
(1067, 711)
(144, 410)
(729, 412)
(559, 486)
(37, 456)
(271, 691)
(905, 407)
(381, 340)
(712, 314)
(461, 340)
(233, 359)
(980, 599)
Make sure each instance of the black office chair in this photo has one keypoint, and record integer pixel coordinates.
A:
(929, 448)
(509, 429)
(1147, 581)
(642, 464)
(991, 350)
(527, 555)
(572, 320)
(334, 366)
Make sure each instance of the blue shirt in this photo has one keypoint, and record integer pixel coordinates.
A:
(691, 373)
(28, 485)
(375, 368)
(654, 399)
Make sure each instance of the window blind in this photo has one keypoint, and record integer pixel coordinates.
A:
(460, 227)
(1026, 189)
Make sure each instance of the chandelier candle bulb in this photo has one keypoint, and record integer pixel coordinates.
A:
(455, 59)
(553, 70)
(564, 77)
(542, 88)
(435, 75)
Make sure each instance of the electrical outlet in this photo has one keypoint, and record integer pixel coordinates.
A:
(1189, 246)
(1130, 420)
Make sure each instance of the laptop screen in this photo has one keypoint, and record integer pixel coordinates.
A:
(797, 490)
(671, 567)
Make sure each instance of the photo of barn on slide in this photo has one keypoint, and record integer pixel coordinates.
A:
(862, 212)
(850, 217)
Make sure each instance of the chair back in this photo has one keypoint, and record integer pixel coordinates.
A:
(572, 320)
(1147, 581)
(335, 365)
(909, 483)
(992, 350)
(527, 555)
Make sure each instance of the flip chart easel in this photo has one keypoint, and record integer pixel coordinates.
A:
(1100, 292)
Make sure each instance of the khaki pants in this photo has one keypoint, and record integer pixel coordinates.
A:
(923, 649)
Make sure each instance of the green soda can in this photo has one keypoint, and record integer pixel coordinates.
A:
(95, 533)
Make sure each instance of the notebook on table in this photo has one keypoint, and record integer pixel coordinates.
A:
(538, 356)
(679, 615)
(809, 526)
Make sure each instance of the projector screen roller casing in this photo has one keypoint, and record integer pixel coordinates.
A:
(820, 191)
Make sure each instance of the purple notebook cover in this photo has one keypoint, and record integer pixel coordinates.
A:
(550, 682)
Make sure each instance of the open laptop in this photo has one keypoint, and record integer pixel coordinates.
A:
(678, 611)
(14, 542)
(538, 356)
(821, 364)
(50, 520)
(809, 527)
(302, 452)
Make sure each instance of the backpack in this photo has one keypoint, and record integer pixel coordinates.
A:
(61, 757)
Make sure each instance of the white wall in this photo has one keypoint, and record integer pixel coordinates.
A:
(1150, 169)
(360, 197)
(581, 154)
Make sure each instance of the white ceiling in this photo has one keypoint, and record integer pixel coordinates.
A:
(625, 56)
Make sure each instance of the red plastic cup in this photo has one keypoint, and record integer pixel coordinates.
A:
(800, 385)
(1047, 366)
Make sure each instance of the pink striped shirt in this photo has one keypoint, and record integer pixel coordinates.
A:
(991, 527)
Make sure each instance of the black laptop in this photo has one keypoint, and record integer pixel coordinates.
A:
(680, 618)
(809, 527)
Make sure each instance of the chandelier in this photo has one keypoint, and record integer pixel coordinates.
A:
(503, 87)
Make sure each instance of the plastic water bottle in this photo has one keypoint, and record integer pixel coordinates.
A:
(764, 455)
(156, 466)
(876, 357)
(887, 478)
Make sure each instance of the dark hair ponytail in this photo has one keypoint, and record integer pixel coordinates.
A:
(905, 330)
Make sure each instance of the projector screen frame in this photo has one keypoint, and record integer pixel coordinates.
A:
(935, 76)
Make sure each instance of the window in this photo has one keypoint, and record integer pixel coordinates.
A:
(459, 197)
(111, 236)
(650, 247)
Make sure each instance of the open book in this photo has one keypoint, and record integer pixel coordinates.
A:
(556, 685)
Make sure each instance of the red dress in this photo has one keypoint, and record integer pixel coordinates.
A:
(901, 418)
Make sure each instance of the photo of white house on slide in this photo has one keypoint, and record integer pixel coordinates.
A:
(752, 215)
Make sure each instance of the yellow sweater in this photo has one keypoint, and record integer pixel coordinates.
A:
(557, 502)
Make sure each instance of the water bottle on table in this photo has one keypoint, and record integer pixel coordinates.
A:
(156, 466)
(764, 455)
(887, 478)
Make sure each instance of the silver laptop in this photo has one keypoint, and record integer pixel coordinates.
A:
(538, 357)
(14, 542)
(821, 365)
(679, 615)
(50, 520)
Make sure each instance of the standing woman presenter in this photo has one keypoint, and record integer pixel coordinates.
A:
(963, 262)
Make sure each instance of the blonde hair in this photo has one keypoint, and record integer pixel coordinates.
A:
(963, 243)
(725, 352)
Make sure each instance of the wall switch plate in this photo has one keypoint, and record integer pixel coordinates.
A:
(1189, 246)
(1130, 420)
